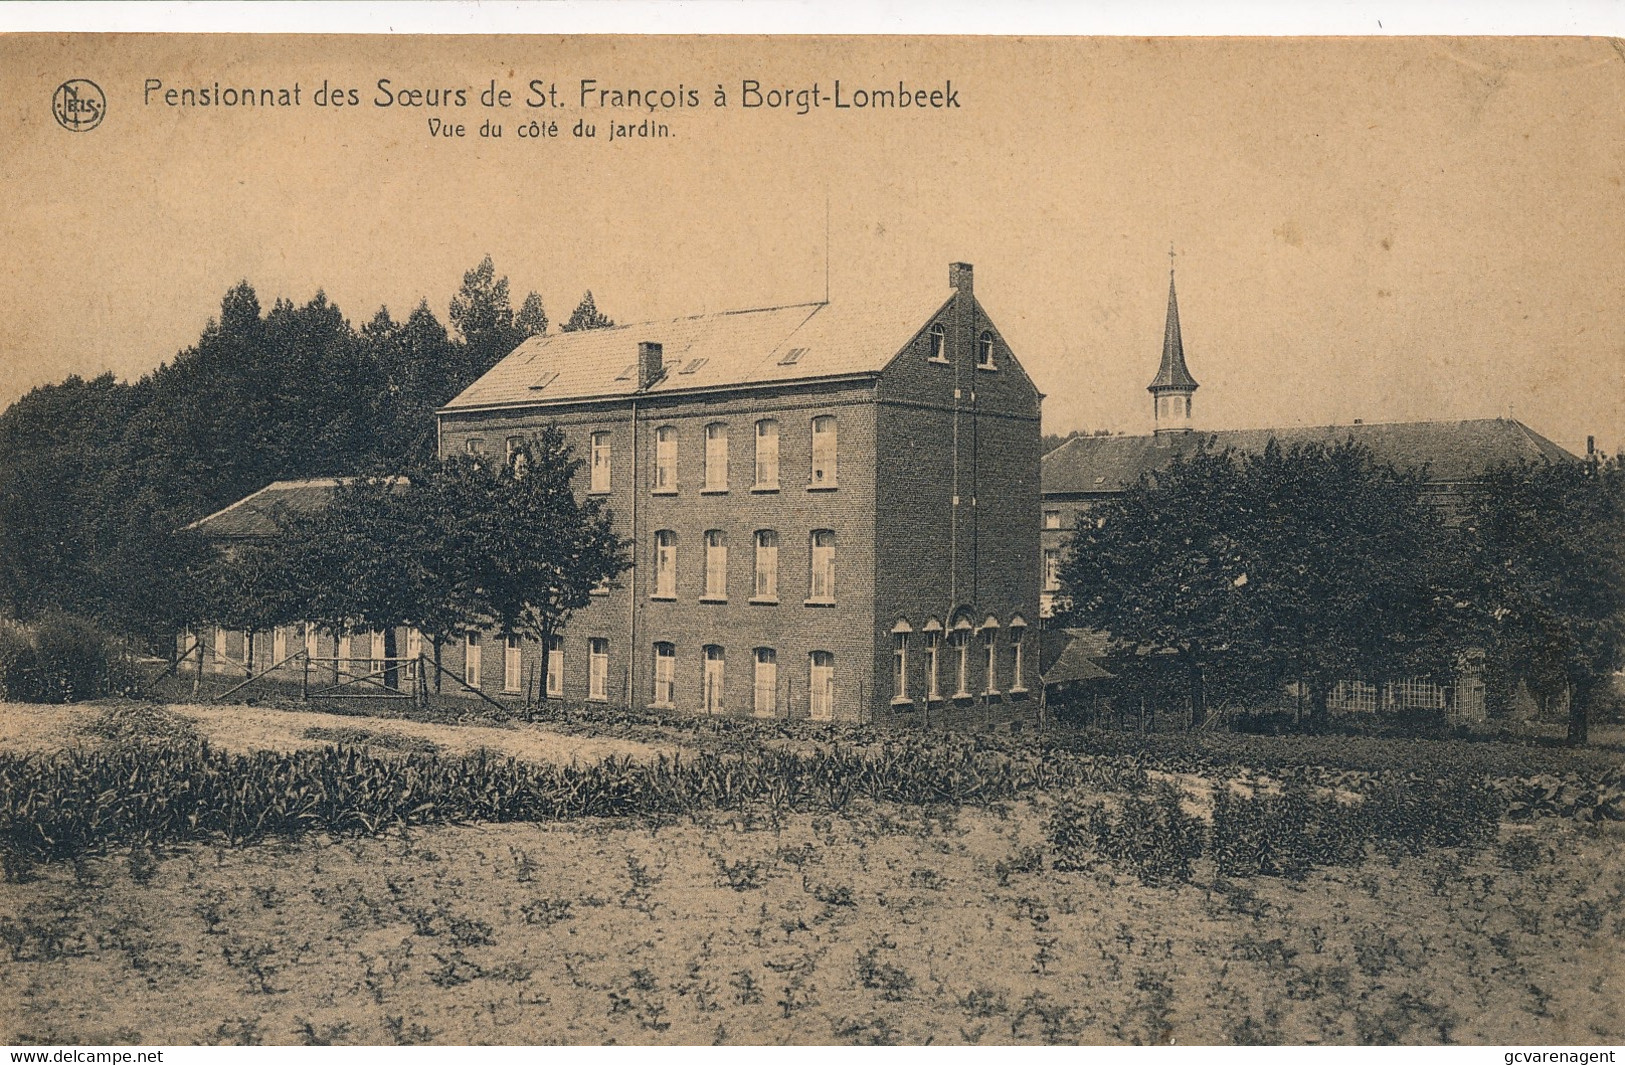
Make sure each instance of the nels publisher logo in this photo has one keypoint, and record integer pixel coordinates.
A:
(79, 105)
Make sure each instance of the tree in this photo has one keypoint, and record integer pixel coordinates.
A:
(531, 321)
(456, 544)
(586, 316)
(1313, 563)
(483, 317)
(1547, 543)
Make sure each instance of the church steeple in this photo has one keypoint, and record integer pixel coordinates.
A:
(1171, 389)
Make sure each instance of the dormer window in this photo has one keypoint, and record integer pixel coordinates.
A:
(984, 351)
(939, 343)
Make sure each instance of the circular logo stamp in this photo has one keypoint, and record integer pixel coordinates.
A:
(79, 105)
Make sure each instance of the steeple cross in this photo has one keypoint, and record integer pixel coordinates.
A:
(1170, 259)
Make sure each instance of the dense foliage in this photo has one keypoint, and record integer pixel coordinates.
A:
(97, 477)
(1314, 563)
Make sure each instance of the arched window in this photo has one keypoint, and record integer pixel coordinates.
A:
(665, 565)
(765, 684)
(600, 462)
(666, 459)
(665, 693)
(821, 582)
(598, 668)
(933, 659)
(766, 588)
(711, 679)
(555, 667)
(823, 451)
(984, 351)
(716, 457)
(821, 686)
(990, 651)
(959, 640)
(716, 564)
(767, 455)
(939, 343)
(900, 633)
(1018, 653)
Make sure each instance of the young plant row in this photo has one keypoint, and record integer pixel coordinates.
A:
(70, 802)
(1285, 834)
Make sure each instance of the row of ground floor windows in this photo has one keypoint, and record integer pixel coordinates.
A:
(954, 657)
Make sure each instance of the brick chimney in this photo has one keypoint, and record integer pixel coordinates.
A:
(960, 277)
(651, 363)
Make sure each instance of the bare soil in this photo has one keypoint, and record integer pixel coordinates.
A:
(879, 925)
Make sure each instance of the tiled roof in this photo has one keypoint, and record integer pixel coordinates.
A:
(1452, 451)
(256, 516)
(1172, 374)
(794, 343)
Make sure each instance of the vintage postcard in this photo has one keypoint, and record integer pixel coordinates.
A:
(812, 540)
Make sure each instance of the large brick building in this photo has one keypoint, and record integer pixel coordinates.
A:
(830, 510)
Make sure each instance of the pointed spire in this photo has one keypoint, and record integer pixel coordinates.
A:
(1172, 376)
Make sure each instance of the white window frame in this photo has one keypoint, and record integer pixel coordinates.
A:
(473, 659)
(555, 666)
(939, 343)
(665, 674)
(767, 455)
(765, 683)
(665, 582)
(716, 565)
(959, 640)
(1052, 569)
(414, 642)
(1018, 656)
(984, 352)
(377, 663)
(899, 658)
(716, 457)
(821, 567)
(990, 644)
(600, 468)
(279, 644)
(765, 578)
(312, 636)
(598, 669)
(513, 665)
(825, 452)
(821, 686)
(713, 679)
(666, 459)
(1052, 519)
(933, 665)
(220, 656)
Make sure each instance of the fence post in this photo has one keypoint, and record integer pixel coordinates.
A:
(304, 676)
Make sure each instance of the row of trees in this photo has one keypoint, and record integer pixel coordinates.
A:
(445, 546)
(97, 476)
(1318, 564)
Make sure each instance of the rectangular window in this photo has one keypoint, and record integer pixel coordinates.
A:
(765, 693)
(821, 686)
(310, 640)
(767, 566)
(220, 655)
(511, 662)
(933, 654)
(899, 670)
(375, 641)
(666, 459)
(345, 667)
(471, 659)
(600, 462)
(716, 564)
(716, 457)
(990, 643)
(823, 452)
(414, 643)
(555, 667)
(665, 674)
(822, 581)
(767, 454)
(279, 644)
(475, 446)
(961, 644)
(711, 680)
(1052, 568)
(597, 668)
(511, 448)
(1052, 519)
(665, 564)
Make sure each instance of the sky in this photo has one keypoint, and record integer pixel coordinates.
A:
(1374, 228)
